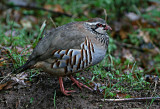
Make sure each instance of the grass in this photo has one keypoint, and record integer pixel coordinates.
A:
(55, 99)
(133, 79)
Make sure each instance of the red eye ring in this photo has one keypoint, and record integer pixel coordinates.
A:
(99, 25)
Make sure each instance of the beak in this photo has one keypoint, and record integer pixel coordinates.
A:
(108, 28)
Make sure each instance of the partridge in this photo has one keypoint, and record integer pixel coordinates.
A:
(69, 49)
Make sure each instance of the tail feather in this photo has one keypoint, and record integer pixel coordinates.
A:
(24, 67)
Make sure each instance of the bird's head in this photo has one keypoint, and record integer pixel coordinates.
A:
(98, 25)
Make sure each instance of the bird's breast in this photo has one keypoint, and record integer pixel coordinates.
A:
(99, 54)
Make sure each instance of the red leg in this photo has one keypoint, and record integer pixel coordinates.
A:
(78, 83)
(65, 92)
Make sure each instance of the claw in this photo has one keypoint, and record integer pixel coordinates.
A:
(78, 83)
(65, 92)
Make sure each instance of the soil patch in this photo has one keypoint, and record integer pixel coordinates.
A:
(40, 95)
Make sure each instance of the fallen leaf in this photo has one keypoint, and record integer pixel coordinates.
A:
(132, 16)
(121, 95)
(7, 85)
(10, 84)
(3, 85)
(20, 78)
(151, 78)
(49, 7)
(145, 36)
(123, 34)
(26, 23)
(100, 87)
(127, 71)
(127, 55)
(30, 48)
(19, 49)
(11, 33)
(148, 45)
(58, 8)
(2, 61)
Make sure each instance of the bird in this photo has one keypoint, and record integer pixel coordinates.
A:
(69, 49)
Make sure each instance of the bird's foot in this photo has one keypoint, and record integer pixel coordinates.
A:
(65, 92)
(80, 85)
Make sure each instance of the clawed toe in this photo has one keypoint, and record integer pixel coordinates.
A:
(66, 92)
(78, 83)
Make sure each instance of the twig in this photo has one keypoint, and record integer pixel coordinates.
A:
(8, 75)
(8, 53)
(105, 13)
(155, 86)
(53, 22)
(38, 8)
(133, 99)
(128, 45)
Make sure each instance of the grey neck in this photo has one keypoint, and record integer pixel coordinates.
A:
(102, 38)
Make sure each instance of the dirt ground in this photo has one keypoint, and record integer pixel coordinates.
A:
(39, 94)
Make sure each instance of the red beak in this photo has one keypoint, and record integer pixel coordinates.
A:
(108, 28)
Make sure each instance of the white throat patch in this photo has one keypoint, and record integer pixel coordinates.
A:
(100, 30)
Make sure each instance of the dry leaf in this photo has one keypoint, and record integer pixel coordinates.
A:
(132, 16)
(30, 48)
(26, 23)
(127, 71)
(123, 34)
(17, 15)
(20, 78)
(121, 95)
(151, 78)
(56, 8)
(145, 36)
(149, 45)
(49, 7)
(10, 84)
(2, 61)
(19, 49)
(127, 55)
(11, 33)
(7, 85)
(3, 85)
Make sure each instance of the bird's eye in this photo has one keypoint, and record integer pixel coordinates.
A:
(99, 25)
(104, 25)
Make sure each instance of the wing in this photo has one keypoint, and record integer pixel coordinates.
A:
(62, 39)
(64, 62)
(69, 36)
